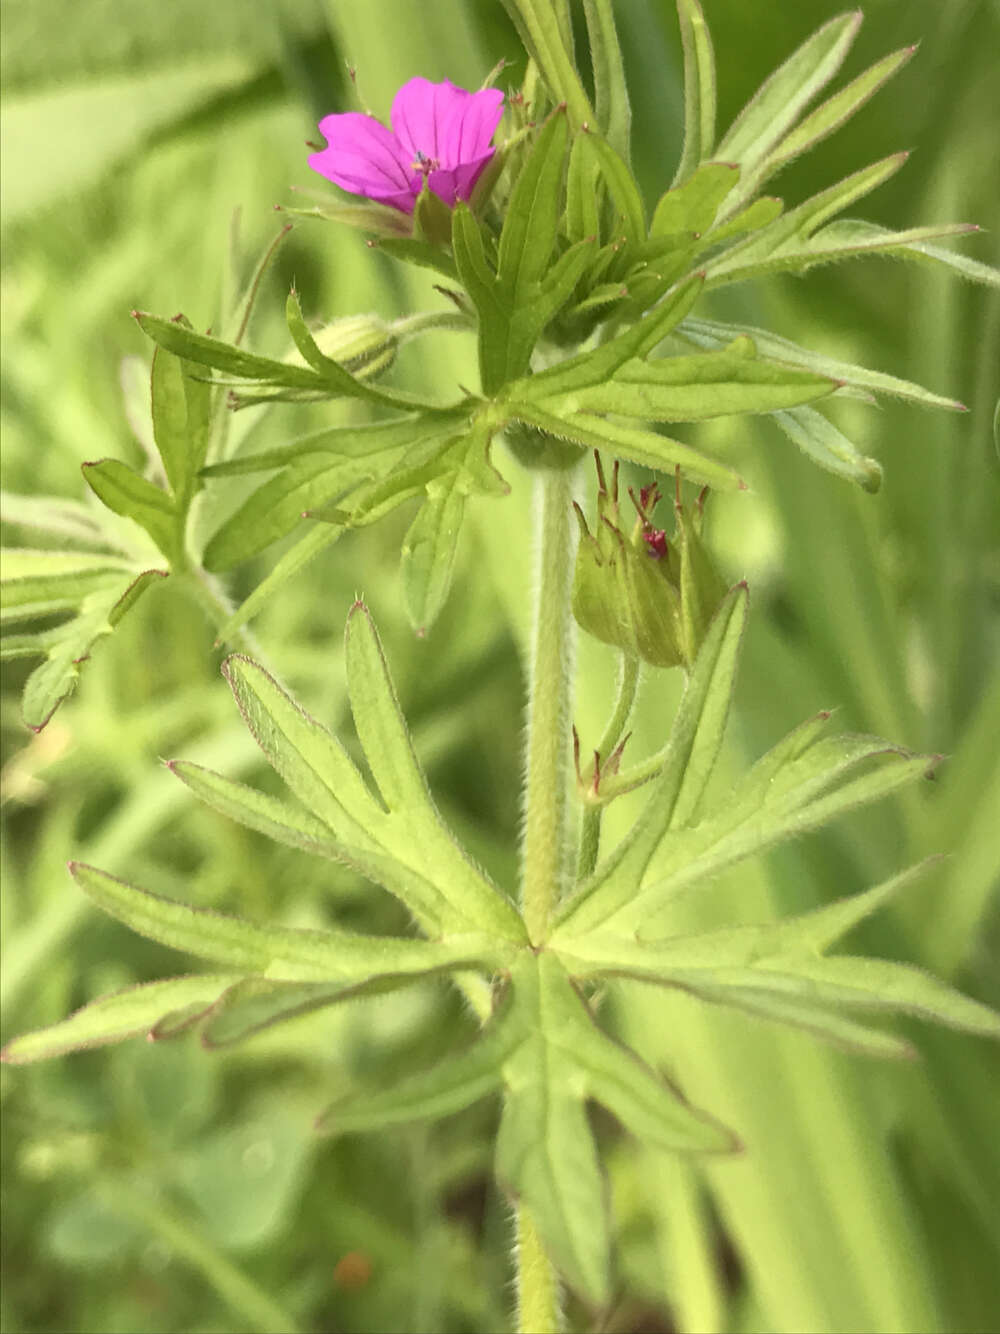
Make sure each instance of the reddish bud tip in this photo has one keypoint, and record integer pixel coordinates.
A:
(656, 543)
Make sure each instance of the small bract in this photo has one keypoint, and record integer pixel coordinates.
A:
(441, 135)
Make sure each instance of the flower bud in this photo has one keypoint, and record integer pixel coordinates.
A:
(362, 344)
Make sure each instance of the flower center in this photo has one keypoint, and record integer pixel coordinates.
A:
(424, 164)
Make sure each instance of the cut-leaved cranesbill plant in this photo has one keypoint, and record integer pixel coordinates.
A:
(583, 307)
(541, 1043)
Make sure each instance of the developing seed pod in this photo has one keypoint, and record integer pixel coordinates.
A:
(646, 595)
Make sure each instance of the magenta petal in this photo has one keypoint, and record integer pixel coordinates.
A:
(466, 134)
(439, 131)
(362, 156)
(420, 110)
(454, 183)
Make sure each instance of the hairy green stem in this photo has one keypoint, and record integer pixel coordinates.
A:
(539, 1309)
(590, 827)
(544, 848)
(412, 326)
(217, 606)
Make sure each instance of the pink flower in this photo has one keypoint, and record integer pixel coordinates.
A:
(439, 133)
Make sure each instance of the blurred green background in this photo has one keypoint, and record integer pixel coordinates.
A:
(167, 1189)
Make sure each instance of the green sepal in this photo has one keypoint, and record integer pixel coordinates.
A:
(652, 599)
(421, 254)
(702, 587)
(431, 219)
(379, 219)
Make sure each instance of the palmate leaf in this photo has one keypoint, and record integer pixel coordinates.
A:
(514, 303)
(330, 380)
(806, 780)
(403, 843)
(429, 549)
(128, 493)
(711, 384)
(182, 414)
(692, 206)
(699, 89)
(649, 449)
(779, 102)
(547, 36)
(279, 953)
(776, 970)
(123, 1014)
(97, 589)
(713, 334)
(544, 1049)
(611, 103)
